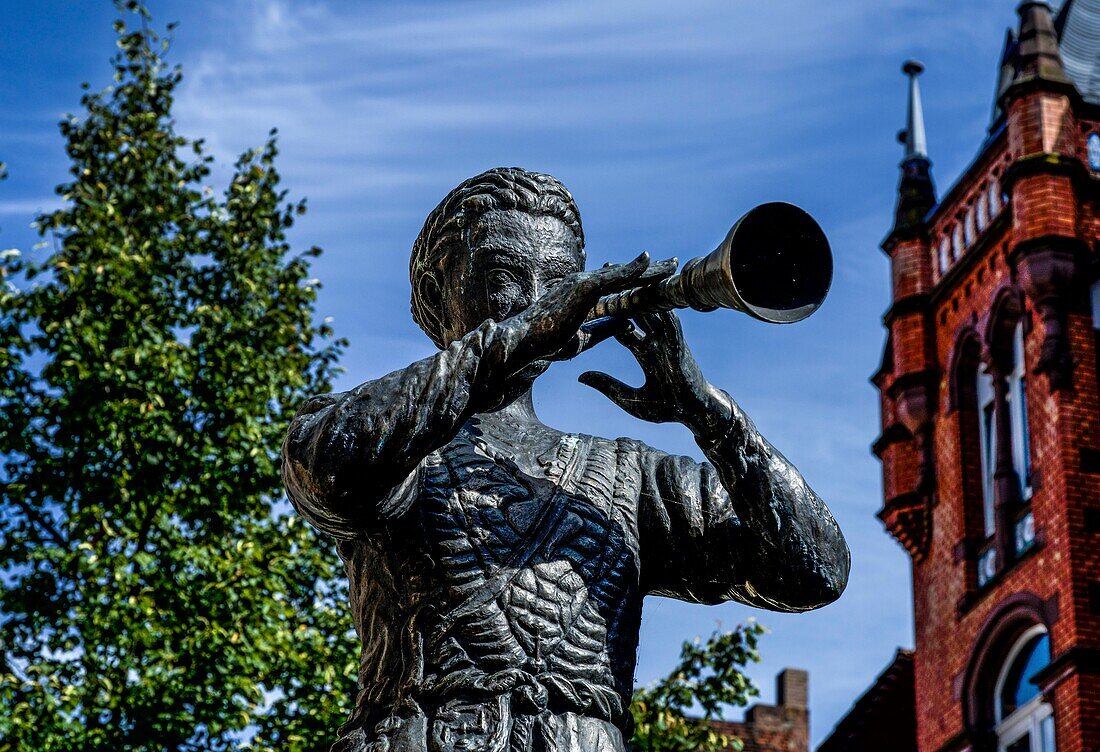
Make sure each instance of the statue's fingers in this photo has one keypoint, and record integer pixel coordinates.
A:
(660, 323)
(634, 340)
(644, 323)
(658, 271)
(608, 326)
(594, 332)
(631, 338)
(653, 273)
(663, 336)
(574, 347)
(621, 394)
(612, 279)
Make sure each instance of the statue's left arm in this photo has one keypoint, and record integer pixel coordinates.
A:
(744, 526)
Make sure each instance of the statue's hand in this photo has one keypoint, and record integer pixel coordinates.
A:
(674, 389)
(552, 325)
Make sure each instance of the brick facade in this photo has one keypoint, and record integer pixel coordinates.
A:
(1013, 243)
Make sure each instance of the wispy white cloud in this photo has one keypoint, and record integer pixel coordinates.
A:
(29, 206)
(386, 84)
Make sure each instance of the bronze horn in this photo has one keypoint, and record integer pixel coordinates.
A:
(775, 265)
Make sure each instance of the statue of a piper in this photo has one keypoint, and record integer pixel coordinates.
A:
(497, 566)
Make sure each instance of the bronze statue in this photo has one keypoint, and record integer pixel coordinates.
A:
(497, 566)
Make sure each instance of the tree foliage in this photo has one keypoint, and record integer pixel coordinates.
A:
(708, 677)
(158, 594)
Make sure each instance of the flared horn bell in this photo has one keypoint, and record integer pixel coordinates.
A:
(775, 265)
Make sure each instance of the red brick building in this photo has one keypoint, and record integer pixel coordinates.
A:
(990, 401)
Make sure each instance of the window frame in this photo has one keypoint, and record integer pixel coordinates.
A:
(1033, 721)
(1030, 718)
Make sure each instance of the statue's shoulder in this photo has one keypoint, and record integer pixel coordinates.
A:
(622, 445)
(627, 444)
(629, 457)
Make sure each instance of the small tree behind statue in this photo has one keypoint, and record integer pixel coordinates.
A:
(708, 678)
(157, 595)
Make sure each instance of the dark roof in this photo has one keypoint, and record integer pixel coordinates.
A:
(884, 717)
(1078, 26)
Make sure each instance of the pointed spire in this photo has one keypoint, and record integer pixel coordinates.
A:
(916, 143)
(1006, 75)
(916, 192)
(1039, 55)
(1061, 14)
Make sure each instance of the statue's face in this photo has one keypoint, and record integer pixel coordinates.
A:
(514, 258)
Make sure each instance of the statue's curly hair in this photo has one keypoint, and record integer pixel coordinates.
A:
(449, 226)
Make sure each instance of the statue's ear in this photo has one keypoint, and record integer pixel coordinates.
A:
(429, 292)
(430, 308)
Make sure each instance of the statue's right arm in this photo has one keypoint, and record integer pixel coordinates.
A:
(348, 459)
(346, 453)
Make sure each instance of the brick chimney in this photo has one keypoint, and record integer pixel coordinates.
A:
(793, 688)
(783, 727)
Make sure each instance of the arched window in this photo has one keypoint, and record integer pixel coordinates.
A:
(968, 228)
(1024, 722)
(1094, 151)
(983, 212)
(1096, 304)
(994, 198)
(957, 246)
(1096, 325)
(971, 401)
(945, 261)
(1017, 409)
(987, 432)
(1004, 440)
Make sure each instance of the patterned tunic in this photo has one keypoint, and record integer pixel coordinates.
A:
(498, 603)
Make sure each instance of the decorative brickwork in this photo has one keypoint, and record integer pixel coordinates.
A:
(990, 443)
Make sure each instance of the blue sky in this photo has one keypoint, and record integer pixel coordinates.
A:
(666, 120)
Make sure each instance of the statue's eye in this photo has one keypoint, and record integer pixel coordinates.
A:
(501, 278)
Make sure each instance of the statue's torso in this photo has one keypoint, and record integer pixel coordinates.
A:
(504, 605)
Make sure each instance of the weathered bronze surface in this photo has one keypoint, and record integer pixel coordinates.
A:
(497, 566)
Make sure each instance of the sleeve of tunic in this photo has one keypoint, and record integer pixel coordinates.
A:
(745, 526)
(350, 458)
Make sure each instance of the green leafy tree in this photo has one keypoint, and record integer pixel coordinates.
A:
(158, 593)
(709, 677)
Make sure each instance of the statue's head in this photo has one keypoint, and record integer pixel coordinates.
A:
(491, 247)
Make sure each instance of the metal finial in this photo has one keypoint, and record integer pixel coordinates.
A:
(916, 143)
